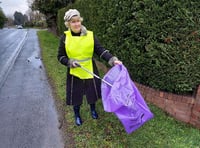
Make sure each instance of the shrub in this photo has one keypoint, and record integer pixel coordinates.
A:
(157, 40)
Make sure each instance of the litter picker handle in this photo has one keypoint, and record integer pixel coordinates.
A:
(93, 74)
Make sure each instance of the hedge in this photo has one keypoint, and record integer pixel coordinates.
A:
(157, 40)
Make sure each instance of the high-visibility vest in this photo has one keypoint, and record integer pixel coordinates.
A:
(80, 48)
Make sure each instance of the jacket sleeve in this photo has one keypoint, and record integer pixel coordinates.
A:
(103, 53)
(62, 56)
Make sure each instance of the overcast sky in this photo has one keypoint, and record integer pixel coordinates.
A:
(10, 6)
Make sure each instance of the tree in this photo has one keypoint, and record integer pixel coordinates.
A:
(36, 19)
(2, 18)
(18, 18)
(50, 9)
(10, 20)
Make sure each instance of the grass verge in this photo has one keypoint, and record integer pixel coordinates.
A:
(107, 131)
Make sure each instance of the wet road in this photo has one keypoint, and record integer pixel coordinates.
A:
(28, 118)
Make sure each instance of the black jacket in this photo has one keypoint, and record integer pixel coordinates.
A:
(76, 87)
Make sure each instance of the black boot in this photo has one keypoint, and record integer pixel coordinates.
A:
(78, 120)
(93, 111)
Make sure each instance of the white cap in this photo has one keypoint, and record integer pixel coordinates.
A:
(70, 13)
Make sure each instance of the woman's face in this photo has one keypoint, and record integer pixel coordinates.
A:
(75, 24)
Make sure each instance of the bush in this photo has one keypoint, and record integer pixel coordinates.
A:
(2, 18)
(158, 41)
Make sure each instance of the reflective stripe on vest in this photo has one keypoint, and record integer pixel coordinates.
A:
(80, 48)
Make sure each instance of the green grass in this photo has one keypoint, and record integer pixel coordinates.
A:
(107, 132)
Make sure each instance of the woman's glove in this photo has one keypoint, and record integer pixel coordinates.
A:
(73, 63)
(114, 61)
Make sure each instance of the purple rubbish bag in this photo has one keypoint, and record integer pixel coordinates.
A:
(124, 99)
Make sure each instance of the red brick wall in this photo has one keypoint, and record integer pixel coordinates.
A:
(183, 108)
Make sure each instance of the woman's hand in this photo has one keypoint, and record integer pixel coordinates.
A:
(73, 63)
(116, 62)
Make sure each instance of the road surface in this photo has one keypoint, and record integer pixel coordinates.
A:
(28, 118)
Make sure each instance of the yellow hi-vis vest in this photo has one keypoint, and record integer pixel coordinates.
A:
(80, 48)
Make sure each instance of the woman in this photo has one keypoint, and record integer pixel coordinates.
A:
(76, 48)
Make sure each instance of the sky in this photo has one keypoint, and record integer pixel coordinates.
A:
(10, 6)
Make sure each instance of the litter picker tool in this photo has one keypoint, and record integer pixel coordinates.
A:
(93, 74)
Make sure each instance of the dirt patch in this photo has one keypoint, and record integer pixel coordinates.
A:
(101, 67)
